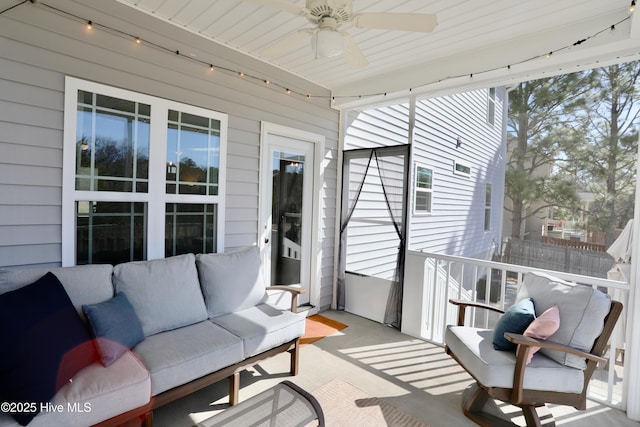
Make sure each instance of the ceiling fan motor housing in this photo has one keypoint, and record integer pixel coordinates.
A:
(319, 9)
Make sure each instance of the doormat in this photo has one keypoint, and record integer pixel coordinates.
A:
(318, 327)
(345, 405)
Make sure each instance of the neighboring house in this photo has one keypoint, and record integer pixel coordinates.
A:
(455, 188)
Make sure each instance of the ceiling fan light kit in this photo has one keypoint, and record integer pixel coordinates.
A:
(327, 43)
(328, 16)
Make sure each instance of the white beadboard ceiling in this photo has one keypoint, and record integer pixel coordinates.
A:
(474, 43)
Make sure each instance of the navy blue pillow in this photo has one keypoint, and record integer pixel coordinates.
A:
(44, 343)
(515, 320)
(115, 325)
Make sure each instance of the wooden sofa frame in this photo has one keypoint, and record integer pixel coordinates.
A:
(145, 413)
(529, 400)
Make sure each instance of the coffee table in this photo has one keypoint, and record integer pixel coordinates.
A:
(285, 404)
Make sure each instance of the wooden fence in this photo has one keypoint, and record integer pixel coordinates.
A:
(574, 244)
(559, 258)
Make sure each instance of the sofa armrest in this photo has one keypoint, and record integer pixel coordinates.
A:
(524, 347)
(295, 291)
(463, 304)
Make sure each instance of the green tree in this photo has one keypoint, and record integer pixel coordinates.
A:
(538, 137)
(607, 155)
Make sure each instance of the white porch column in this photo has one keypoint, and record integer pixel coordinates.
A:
(632, 374)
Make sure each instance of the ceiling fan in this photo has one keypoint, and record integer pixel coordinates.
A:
(328, 17)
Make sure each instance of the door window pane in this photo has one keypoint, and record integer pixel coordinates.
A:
(190, 228)
(193, 154)
(110, 232)
(112, 144)
(287, 175)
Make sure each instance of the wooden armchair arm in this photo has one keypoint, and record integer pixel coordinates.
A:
(293, 290)
(463, 304)
(522, 353)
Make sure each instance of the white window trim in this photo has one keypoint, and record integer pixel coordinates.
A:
(156, 198)
(457, 172)
(424, 190)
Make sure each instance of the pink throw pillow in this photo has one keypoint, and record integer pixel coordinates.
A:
(543, 327)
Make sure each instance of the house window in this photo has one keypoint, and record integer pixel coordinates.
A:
(423, 190)
(491, 106)
(487, 207)
(142, 176)
(461, 169)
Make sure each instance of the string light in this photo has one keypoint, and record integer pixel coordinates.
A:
(90, 25)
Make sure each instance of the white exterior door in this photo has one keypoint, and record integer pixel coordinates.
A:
(289, 208)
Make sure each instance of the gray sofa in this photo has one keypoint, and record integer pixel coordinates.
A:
(202, 318)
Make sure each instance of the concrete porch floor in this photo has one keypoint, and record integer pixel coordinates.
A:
(417, 377)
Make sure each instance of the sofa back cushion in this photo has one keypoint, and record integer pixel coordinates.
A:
(165, 293)
(231, 281)
(85, 284)
(582, 311)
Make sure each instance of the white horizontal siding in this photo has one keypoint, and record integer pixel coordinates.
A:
(456, 223)
(39, 48)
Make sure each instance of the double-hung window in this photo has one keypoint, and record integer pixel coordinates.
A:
(143, 177)
(487, 207)
(423, 190)
(491, 106)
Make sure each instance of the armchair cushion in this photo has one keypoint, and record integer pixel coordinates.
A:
(474, 350)
(231, 282)
(582, 312)
(515, 319)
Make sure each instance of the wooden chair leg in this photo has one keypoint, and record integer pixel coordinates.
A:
(234, 389)
(295, 356)
(147, 420)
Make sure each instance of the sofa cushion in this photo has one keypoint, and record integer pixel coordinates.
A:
(48, 343)
(85, 284)
(582, 312)
(493, 368)
(96, 393)
(115, 326)
(514, 320)
(262, 327)
(231, 281)
(165, 293)
(176, 357)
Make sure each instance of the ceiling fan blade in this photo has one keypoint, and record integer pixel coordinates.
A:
(418, 22)
(286, 43)
(352, 53)
(282, 5)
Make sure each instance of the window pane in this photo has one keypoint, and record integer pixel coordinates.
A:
(190, 228)
(193, 154)
(487, 195)
(110, 232)
(112, 148)
(423, 201)
(423, 177)
(487, 219)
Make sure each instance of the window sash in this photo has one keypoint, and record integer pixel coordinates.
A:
(423, 190)
(155, 198)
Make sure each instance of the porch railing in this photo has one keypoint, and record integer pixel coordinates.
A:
(432, 279)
